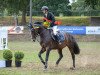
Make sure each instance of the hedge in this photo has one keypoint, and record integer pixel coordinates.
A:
(75, 20)
(65, 20)
(69, 20)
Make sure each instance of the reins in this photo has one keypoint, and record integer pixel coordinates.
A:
(38, 34)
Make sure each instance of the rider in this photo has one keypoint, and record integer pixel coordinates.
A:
(49, 21)
(48, 16)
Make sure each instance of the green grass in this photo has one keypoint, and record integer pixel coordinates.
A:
(87, 63)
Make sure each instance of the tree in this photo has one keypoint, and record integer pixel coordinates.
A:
(54, 5)
(81, 8)
(14, 6)
(2, 5)
(24, 5)
(78, 7)
(92, 3)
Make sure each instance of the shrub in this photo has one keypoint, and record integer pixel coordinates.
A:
(76, 21)
(73, 20)
(66, 20)
(19, 56)
(7, 54)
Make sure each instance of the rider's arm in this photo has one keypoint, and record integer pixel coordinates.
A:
(52, 18)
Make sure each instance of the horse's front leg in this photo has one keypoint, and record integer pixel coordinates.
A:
(41, 52)
(46, 59)
(60, 56)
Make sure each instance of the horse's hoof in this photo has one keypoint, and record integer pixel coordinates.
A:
(72, 68)
(45, 69)
(56, 65)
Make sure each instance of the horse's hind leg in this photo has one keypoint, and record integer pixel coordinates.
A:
(60, 56)
(46, 59)
(41, 52)
(73, 57)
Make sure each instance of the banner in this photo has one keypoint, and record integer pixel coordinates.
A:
(80, 30)
(93, 30)
(14, 29)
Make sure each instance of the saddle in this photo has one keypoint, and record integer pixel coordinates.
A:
(58, 37)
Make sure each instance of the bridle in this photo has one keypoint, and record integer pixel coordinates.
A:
(33, 29)
(36, 34)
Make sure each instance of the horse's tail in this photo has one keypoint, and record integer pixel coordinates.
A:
(76, 47)
(74, 44)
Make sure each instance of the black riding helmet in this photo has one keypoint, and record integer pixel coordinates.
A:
(44, 8)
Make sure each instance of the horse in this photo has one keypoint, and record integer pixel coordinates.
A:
(48, 43)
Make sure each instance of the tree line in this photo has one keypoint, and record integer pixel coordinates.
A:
(14, 7)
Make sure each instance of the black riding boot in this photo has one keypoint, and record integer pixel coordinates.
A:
(59, 39)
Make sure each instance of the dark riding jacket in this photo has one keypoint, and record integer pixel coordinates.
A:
(51, 17)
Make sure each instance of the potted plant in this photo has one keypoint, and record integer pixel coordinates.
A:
(7, 55)
(18, 57)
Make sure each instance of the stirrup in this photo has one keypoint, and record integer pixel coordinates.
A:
(60, 43)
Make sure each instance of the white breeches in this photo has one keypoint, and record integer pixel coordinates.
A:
(55, 30)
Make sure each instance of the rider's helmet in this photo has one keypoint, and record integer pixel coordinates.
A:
(44, 8)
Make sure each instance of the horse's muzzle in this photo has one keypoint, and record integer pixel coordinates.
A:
(33, 40)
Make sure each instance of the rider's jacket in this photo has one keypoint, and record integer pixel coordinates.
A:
(49, 19)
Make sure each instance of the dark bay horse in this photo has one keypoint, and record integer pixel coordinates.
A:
(48, 44)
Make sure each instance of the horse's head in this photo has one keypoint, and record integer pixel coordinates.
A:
(35, 29)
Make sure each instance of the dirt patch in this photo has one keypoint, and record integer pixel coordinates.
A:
(83, 62)
(89, 60)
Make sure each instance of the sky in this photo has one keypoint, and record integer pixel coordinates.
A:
(70, 1)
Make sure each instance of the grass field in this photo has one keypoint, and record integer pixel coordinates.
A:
(87, 62)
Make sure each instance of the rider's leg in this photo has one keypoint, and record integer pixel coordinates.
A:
(56, 34)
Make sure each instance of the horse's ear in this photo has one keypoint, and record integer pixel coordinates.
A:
(30, 26)
(38, 23)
